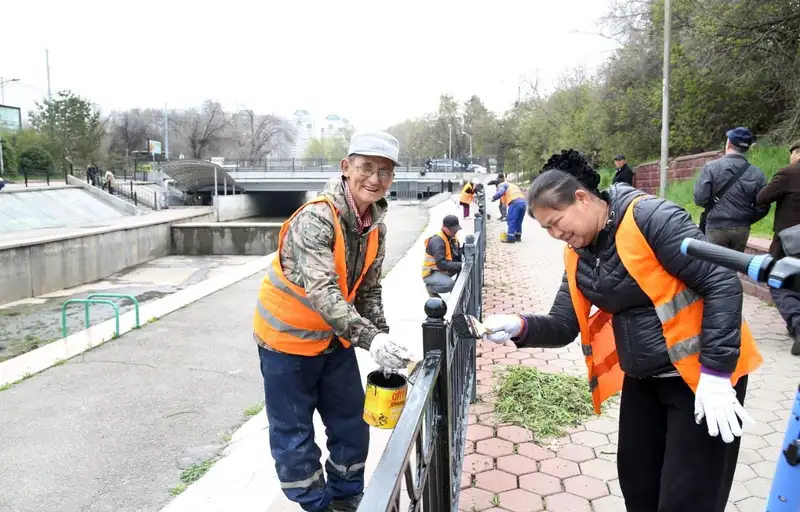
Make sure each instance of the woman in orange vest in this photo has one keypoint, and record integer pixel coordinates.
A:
(467, 195)
(668, 332)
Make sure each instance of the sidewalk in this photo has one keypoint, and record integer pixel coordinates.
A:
(504, 470)
(244, 479)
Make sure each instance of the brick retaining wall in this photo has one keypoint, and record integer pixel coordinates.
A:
(647, 176)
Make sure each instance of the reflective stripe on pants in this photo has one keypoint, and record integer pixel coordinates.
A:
(296, 386)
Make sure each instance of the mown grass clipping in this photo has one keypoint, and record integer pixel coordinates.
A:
(542, 402)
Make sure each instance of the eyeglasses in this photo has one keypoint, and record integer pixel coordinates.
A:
(368, 171)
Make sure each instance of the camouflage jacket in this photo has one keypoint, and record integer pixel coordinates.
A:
(307, 261)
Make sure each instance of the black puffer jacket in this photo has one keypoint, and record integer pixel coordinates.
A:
(738, 207)
(607, 284)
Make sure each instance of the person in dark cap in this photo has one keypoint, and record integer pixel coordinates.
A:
(442, 260)
(624, 172)
(727, 189)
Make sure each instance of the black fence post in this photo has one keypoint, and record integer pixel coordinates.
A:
(438, 493)
(25, 173)
(135, 200)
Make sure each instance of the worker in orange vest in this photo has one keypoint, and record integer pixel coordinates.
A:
(466, 197)
(512, 197)
(669, 333)
(321, 297)
(442, 261)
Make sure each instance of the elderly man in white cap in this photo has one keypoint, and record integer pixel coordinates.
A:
(320, 299)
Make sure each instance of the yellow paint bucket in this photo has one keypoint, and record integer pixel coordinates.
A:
(385, 399)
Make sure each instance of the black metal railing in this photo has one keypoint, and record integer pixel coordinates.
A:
(425, 453)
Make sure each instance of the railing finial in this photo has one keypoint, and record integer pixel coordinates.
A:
(469, 239)
(435, 307)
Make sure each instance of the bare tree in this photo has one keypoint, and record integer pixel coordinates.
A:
(203, 129)
(266, 134)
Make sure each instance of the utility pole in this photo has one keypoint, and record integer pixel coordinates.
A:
(166, 133)
(450, 150)
(3, 83)
(47, 61)
(2, 166)
(662, 189)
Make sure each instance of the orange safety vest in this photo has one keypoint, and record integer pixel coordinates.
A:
(284, 318)
(512, 193)
(466, 197)
(429, 263)
(679, 309)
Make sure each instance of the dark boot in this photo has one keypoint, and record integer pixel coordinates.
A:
(345, 504)
(796, 345)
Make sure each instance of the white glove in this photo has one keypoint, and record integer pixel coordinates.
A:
(502, 327)
(716, 399)
(388, 354)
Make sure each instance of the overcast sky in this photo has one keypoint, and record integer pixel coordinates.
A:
(373, 62)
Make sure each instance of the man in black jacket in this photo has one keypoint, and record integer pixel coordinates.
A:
(728, 223)
(442, 258)
(624, 172)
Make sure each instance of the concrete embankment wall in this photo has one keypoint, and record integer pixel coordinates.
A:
(113, 201)
(233, 238)
(41, 265)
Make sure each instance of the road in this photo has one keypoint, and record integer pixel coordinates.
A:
(110, 429)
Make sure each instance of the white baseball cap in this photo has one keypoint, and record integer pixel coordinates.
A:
(375, 144)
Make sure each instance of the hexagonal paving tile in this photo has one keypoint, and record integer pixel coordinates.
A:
(516, 464)
(540, 483)
(466, 480)
(534, 451)
(515, 434)
(495, 481)
(520, 500)
(599, 468)
(586, 487)
(476, 463)
(559, 467)
(743, 473)
(481, 408)
(749, 456)
(602, 426)
(534, 362)
(474, 499)
(507, 361)
(759, 486)
(764, 468)
(738, 492)
(565, 502)
(518, 355)
(494, 447)
(609, 504)
(607, 452)
(576, 453)
(479, 432)
(590, 439)
(752, 504)
(614, 488)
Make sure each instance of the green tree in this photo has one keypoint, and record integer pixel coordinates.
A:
(35, 158)
(9, 155)
(332, 148)
(71, 125)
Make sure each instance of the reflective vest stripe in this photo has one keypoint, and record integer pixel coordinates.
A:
(279, 325)
(429, 262)
(679, 309)
(670, 310)
(305, 483)
(272, 275)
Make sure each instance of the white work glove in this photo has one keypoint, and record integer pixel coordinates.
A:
(716, 399)
(388, 354)
(502, 327)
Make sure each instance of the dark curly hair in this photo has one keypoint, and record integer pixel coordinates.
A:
(564, 174)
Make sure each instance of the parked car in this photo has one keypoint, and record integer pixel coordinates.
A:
(445, 164)
(476, 168)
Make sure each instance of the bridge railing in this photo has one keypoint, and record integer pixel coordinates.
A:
(420, 468)
(319, 164)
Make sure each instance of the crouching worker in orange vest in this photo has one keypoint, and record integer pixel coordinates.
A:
(668, 332)
(466, 197)
(320, 299)
(442, 261)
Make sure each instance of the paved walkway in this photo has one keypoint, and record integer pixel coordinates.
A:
(505, 470)
(111, 429)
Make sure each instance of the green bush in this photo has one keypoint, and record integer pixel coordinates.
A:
(9, 157)
(35, 158)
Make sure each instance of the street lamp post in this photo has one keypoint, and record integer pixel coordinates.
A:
(470, 144)
(3, 88)
(662, 188)
(450, 150)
